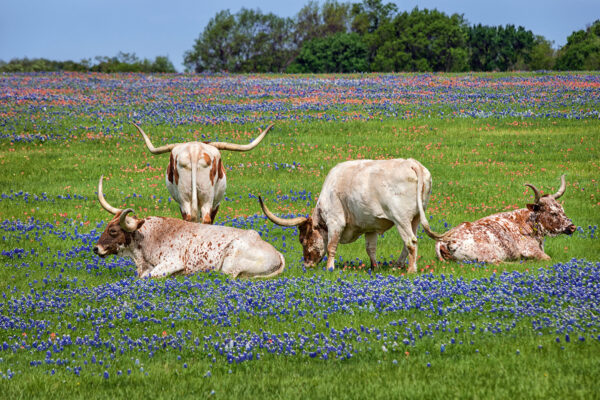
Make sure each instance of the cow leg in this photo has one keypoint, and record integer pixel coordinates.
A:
(535, 253)
(186, 213)
(163, 269)
(371, 244)
(213, 214)
(206, 212)
(331, 249)
(402, 259)
(408, 234)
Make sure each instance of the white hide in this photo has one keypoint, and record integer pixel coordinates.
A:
(369, 197)
(200, 199)
(165, 246)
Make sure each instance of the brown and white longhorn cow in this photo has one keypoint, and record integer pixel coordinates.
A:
(508, 236)
(195, 176)
(364, 197)
(164, 246)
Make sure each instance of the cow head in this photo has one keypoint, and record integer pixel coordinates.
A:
(120, 229)
(313, 237)
(549, 213)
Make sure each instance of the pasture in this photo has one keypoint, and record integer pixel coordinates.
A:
(75, 325)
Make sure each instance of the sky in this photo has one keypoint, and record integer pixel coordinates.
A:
(78, 29)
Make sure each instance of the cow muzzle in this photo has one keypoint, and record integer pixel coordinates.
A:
(99, 251)
(570, 229)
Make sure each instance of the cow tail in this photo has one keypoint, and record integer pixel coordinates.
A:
(422, 216)
(194, 207)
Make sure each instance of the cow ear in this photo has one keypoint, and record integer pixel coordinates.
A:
(533, 207)
(140, 222)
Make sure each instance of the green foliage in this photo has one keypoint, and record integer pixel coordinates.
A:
(129, 62)
(369, 15)
(342, 52)
(582, 51)
(313, 22)
(542, 56)
(122, 62)
(40, 64)
(497, 48)
(422, 40)
(248, 41)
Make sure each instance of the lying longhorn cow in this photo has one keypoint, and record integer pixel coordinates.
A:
(195, 176)
(508, 236)
(364, 197)
(164, 246)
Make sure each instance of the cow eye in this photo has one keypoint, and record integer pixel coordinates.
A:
(113, 232)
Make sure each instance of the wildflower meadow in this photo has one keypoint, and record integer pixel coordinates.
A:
(76, 325)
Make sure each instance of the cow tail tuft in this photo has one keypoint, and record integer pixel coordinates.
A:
(422, 216)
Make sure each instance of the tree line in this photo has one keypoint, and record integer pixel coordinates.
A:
(373, 36)
(370, 36)
(122, 62)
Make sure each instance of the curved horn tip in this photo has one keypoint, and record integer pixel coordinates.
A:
(102, 200)
(281, 221)
(536, 192)
(127, 223)
(562, 188)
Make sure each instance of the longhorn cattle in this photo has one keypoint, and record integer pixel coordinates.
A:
(364, 197)
(164, 246)
(195, 176)
(508, 236)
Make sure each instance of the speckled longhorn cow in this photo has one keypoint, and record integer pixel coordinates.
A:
(364, 197)
(508, 236)
(197, 165)
(165, 246)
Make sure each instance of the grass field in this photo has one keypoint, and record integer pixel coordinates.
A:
(75, 325)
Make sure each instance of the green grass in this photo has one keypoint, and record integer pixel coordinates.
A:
(479, 166)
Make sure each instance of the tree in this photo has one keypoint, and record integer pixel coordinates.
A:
(515, 45)
(542, 56)
(248, 41)
(370, 14)
(313, 22)
(308, 24)
(342, 52)
(500, 48)
(213, 50)
(260, 41)
(335, 17)
(422, 40)
(162, 64)
(582, 51)
(483, 45)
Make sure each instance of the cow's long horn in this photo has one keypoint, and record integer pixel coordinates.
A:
(154, 150)
(281, 221)
(102, 200)
(561, 189)
(128, 224)
(535, 191)
(241, 147)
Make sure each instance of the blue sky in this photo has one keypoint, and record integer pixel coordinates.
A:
(77, 29)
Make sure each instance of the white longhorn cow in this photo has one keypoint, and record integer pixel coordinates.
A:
(195, 176)
(364, 197)
(165, 246)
